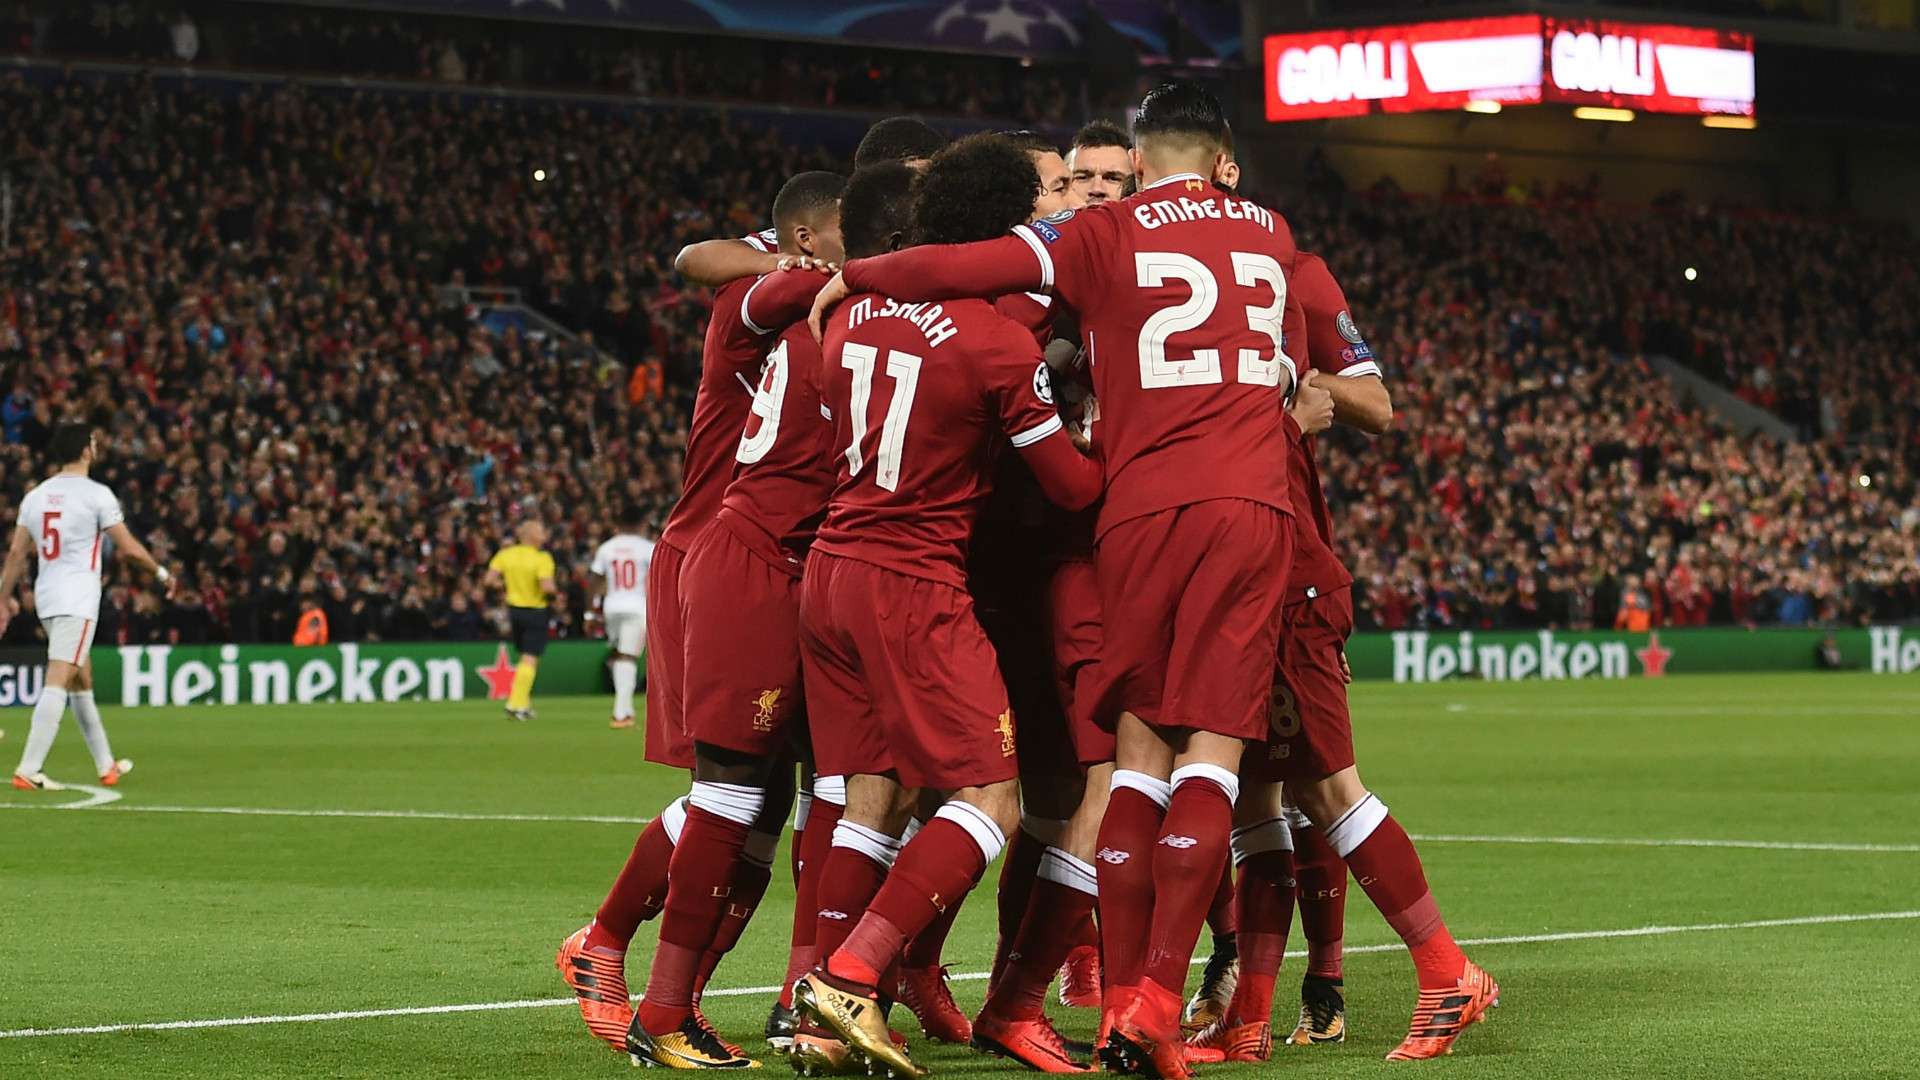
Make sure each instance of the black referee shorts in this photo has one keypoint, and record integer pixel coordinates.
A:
(529, 626)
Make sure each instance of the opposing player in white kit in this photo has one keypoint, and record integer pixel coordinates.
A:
(65, 520)
(623, 562)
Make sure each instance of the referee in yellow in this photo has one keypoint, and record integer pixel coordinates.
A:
(526, 571)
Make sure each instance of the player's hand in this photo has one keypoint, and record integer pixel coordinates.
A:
(835, 291)
(1346, 669)
(807, 262)
(1312, 405)
(1079, 440)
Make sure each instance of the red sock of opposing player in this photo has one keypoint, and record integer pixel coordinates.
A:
(752, 873)
(1017, 875)
(1388, 868)
(1264, 897)
(1127, 834)
(1223, 918)
(1063, 897)
(640, 891)
(816, 844)
(1186, 867)
(934, 872)
(851, 877)
(1322, 898)
(719, 817)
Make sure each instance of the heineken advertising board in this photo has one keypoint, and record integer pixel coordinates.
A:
(133, 675)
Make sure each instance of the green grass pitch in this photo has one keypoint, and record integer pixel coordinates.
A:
(133, 913)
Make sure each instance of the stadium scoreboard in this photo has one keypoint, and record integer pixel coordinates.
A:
(1512, 60)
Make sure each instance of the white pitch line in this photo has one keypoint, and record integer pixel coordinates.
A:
(1604, 841)
(274, 811)
(750, 991)
(103, 796)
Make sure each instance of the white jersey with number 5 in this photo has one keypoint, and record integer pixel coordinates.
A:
(68, 517)
(623, 561)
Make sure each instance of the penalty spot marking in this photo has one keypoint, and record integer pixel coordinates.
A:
(750, 991)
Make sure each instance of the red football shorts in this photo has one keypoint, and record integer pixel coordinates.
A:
(1073, 602)
(741, 624)
(1015, 622)
(1191, 600)
(900, 678)
(1310, 733)
(667, 739)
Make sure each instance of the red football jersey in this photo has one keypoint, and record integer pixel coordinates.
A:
(1182, 296)
(735, 349)
(1334, 347)
(923, 398)
(784, 467)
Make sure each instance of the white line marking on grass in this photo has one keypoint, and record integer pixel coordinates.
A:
(104, 796)
(96, 796)
(1603, 841)
(751, 991)
(273, 811)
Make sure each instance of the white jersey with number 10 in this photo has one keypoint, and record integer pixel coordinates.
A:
(623, 561)
(68, 517)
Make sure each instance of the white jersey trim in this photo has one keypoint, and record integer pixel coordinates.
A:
(1035, 434)
(1039, 247)
(745, 316)
(1357, 370)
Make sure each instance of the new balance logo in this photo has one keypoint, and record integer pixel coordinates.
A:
(828, 914)
(1110, 856)
(1174, 840)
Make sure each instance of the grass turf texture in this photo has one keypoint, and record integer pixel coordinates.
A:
(111, 915)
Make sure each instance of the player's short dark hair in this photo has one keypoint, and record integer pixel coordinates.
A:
(897, 138)
(976, 189)
(633, 514)
(804, 198)
(1031, 141)
(1102, 133)
(1182, 111)
(878, 207)
(70, 440)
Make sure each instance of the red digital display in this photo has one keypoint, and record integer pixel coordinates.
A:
(1517, 59)
(1672, 69)
(1440, 65)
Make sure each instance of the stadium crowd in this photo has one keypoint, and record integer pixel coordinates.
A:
(244, 287)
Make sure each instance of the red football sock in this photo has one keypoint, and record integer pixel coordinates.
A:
(701, 879)
(750, 881)
(1264, 896)
(813, 847)
(1047, 935)
(925, 947)
(848, 883)
(1127, 834)
(1186, 867)
(638, 893)
(1017, 874)
(1323, 901)
(933, 874)
(1389, 870)
(1222, 916)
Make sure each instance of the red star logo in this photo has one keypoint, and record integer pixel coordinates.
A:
(1653, 658)
(499, 677)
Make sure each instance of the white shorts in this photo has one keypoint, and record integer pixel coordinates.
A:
(69, 637)
(627, 631)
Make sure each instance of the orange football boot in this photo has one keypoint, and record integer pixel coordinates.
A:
(1146, 1037)
(924, 991)
(598, 978)
(620, 723)
(1236, 1042)
(1441, 1015)
(1080, 978)
(1033, 1043)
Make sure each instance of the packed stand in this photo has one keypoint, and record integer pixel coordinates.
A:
(246, 35)
(1541, 472)
(295, 409)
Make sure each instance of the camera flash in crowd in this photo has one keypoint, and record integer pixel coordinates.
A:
(1691, 272)
(1864, 480)
(540, 177)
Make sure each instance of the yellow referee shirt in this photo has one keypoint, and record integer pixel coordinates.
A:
(523, 567)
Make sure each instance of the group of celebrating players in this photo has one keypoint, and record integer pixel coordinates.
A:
(1119, 644)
